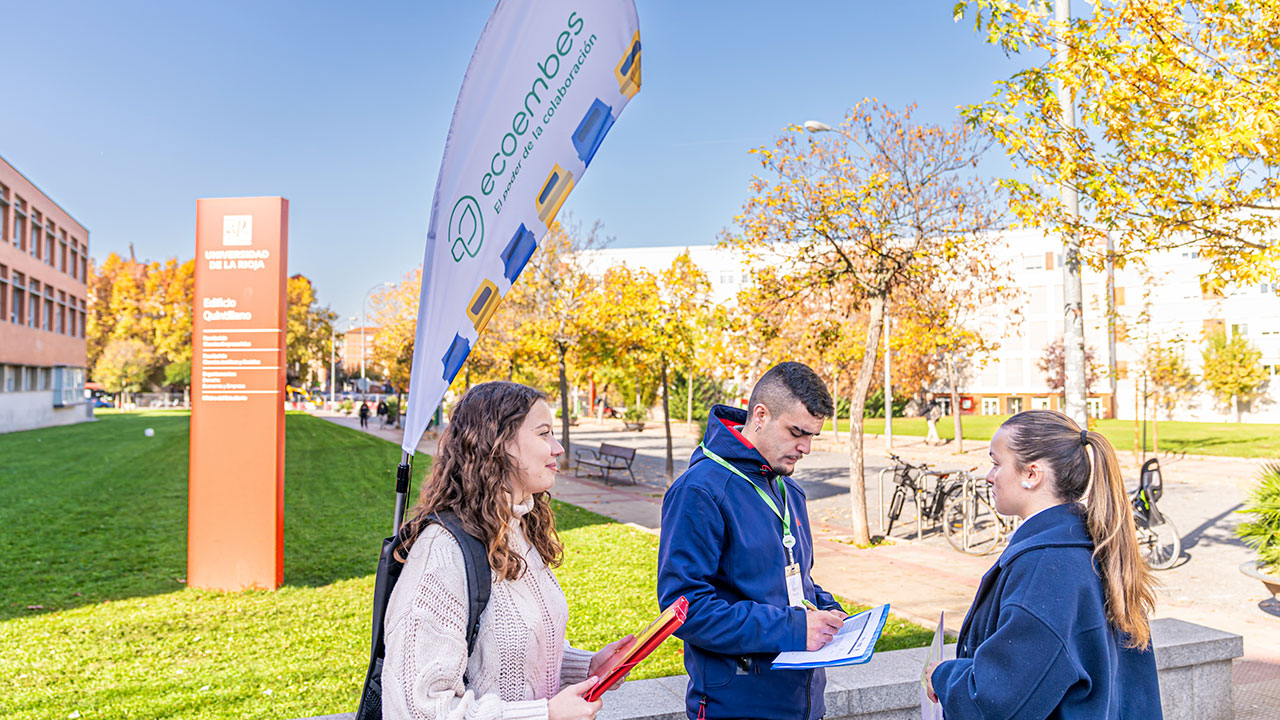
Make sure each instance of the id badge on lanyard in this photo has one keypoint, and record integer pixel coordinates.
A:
(795, 584)
(791, 571)
(795, 587)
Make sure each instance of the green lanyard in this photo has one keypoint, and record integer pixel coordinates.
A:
(788, 541)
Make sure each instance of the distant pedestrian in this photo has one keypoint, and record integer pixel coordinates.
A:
(932, 414)
(364, 415)
(382, 412)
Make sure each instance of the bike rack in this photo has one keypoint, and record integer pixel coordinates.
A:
(882, 513)
(966, 495)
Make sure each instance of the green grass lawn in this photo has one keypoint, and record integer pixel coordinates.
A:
(1195, 438)
(95, 618)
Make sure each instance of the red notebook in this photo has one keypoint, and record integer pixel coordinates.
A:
(646, 642)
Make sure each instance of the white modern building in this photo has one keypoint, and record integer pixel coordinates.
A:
(727, 270)
(1160, 302)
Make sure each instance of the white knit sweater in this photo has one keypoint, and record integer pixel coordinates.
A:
(521, 658)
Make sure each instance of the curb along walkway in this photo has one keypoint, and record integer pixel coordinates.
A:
(922, 578)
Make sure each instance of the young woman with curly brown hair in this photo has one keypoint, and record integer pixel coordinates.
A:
(496, 462)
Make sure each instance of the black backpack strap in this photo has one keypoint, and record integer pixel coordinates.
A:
(476, 558)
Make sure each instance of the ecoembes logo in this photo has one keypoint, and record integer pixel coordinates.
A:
(466, 219)
(466, 228)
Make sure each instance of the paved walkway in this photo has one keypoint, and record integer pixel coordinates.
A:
(925, 576)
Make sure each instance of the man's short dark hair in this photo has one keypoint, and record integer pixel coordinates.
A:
(788, 383)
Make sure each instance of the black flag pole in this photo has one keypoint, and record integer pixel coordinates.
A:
(402, 490)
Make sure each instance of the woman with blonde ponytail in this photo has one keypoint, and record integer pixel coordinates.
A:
(1059, 627)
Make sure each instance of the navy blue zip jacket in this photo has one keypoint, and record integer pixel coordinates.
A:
(721, 548)
(1037, 644)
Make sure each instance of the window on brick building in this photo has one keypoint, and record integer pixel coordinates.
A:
(33, 304)
(4, 213)
(33, 244)
(62, 251)
(1093, 407)
(19, 227)
(17, 310)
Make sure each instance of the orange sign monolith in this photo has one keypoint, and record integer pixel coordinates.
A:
(235, 531)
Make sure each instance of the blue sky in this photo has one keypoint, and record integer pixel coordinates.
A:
(126, 112)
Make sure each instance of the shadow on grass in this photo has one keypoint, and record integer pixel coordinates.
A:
(98, 511)
(570, 517)
(92, 512)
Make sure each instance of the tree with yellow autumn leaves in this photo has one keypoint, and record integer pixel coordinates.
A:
(1178, 136)
(554, 294)
(146, 310)
(308, 331)
(1180, 133)
(149, 305)
(888, 203)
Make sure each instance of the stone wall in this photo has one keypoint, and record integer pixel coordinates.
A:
(31, 410)
(1194, 663)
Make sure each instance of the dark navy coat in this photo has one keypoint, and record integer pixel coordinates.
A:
(1037, 644)
(721, 548)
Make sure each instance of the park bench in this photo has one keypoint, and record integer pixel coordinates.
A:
(605, 460)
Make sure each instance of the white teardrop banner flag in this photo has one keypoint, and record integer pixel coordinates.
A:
(546, 82)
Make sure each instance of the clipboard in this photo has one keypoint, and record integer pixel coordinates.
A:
(645, 643)
(853, 645)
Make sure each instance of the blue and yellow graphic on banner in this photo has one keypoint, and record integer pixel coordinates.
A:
(628, 70)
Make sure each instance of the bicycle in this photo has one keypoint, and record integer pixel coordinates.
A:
(912, 480)
(1157, 537)
(970, 522)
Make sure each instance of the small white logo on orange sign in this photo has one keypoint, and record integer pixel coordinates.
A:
(237, 230)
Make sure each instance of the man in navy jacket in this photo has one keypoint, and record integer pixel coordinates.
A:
(745, 572)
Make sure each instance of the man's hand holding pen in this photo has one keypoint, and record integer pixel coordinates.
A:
(822, 626)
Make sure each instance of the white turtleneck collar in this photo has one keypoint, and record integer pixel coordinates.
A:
(522, 508)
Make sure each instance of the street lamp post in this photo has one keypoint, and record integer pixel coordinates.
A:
(888, 390)
(333, 348)
(815, 126)
(364, 384)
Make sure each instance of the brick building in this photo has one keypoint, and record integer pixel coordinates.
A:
(351, 344)
(44, 262)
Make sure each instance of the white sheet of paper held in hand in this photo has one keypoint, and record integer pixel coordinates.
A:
(930, 710)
